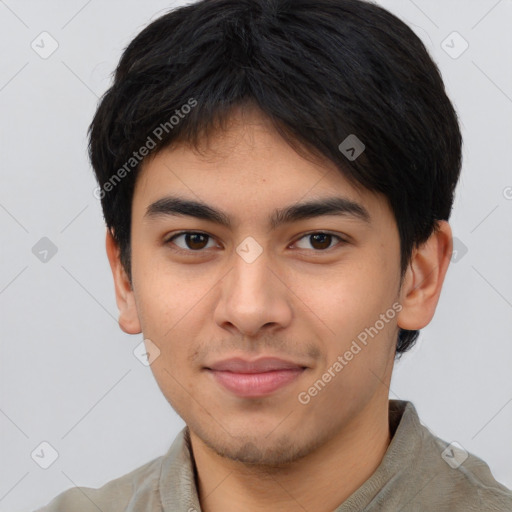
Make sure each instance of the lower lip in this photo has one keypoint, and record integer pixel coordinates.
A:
(256, 384)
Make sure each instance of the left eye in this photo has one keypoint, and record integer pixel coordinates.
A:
(320, 241)
(197, 241)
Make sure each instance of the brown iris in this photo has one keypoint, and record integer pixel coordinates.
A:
(323, 239)
(196, 240)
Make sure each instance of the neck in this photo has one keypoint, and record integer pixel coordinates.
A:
(327, 476)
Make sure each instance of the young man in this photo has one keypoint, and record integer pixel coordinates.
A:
(276, 178)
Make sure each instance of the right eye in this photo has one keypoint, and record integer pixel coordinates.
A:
(191, 241)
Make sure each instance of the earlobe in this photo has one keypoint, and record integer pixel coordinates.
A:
(424, 279)
(128, 316)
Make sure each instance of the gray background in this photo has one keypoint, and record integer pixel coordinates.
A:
(68, 373)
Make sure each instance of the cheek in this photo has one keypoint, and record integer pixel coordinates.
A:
(172, 313)
(356, 319)
(344, 300)
(163, 298)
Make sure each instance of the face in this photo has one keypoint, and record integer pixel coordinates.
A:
(305, 289)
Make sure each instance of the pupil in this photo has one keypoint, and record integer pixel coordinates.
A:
(192, 239)
(325, 238)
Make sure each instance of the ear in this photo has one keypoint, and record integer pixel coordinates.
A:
(128, 316)
(424, 279)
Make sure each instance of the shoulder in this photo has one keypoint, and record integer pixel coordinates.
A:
(461, 481)
(121, 494)
(423, 473)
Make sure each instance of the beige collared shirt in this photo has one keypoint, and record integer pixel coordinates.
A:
(419, 473)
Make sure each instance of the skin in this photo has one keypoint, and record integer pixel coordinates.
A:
(297, 300)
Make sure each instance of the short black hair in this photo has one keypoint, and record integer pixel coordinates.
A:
(320, 70)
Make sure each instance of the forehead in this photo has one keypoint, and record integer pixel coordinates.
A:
(247, 166)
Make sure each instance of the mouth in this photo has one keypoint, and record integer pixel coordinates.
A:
(254, 379)
(252, 385)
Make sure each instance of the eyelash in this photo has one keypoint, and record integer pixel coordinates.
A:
(170, 239)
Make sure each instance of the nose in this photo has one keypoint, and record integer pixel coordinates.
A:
(254, 297)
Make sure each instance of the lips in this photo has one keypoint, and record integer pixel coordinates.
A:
(266, 364)
(251, 379)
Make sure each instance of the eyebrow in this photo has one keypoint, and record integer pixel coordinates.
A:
(179, 206)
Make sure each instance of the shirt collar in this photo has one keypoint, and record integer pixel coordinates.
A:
(178, 489)
(404, 449)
